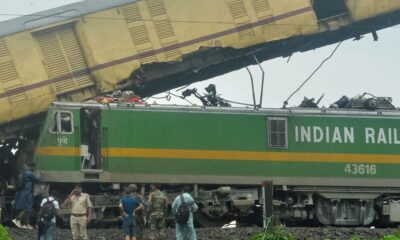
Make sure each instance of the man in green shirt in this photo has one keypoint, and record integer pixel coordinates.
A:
(157, 206)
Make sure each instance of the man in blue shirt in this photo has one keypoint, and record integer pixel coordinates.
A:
(24, 198)
(193, 208)
(128, 206)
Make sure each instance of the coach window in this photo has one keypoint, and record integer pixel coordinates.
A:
(277, 132)
(61, 123)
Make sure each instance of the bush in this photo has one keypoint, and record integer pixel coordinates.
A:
(4, 234)
(277, 234)
(395, 236)
(391, 237)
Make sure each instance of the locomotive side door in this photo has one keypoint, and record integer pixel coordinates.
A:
(91, 158)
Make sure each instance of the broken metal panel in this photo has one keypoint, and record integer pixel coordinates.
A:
(171, 35)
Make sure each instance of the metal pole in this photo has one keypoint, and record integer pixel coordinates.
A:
(252, 88)
(195, 190)
(262, 80)
(268, 188)
(264, 208)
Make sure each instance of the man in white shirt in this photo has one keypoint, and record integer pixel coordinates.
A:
(47, 214)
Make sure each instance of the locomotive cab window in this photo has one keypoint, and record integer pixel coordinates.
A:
(325, 9)
(277, 132)
(61, 123)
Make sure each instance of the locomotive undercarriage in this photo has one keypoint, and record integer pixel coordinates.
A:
(220, 205)
(338, 206)
(217, 206)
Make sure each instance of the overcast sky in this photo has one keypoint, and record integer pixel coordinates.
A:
(357, 67)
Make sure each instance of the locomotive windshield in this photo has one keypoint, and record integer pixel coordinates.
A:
(61, 123)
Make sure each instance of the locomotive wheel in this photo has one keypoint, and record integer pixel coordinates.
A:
(204, 220)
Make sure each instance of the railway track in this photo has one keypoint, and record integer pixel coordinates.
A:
(244, 233)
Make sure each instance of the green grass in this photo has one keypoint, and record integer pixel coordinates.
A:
(395, 236)
(4, 234)
(277, 233)
(356, 237)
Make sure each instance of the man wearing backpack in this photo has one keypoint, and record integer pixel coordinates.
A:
(47, 217)
(183, 208)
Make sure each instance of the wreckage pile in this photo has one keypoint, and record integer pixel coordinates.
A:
(243, 233)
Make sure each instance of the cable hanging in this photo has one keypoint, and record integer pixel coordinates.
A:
(312, 74)
(167, 97)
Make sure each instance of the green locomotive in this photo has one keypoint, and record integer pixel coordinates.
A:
(336, 166)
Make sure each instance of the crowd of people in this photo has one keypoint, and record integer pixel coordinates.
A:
(135, 211)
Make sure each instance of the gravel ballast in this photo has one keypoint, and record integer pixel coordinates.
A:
(244, 233)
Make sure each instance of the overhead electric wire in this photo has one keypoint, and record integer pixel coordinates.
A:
(312, 74)
(167, 97)
(239, 103)
(169, 93)
(181, 88)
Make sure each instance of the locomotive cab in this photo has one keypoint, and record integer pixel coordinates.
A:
(73, 140)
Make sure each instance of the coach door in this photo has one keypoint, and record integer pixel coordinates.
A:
(91, 157)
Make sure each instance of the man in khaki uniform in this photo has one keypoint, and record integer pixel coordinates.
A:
(157, 206)
(81, 212)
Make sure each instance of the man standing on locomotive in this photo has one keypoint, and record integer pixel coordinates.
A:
(81, 212)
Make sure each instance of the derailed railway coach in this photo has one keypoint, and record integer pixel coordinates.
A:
(333, 166)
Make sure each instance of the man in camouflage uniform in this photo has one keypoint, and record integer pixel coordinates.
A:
(140, 214)
(157, 206)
